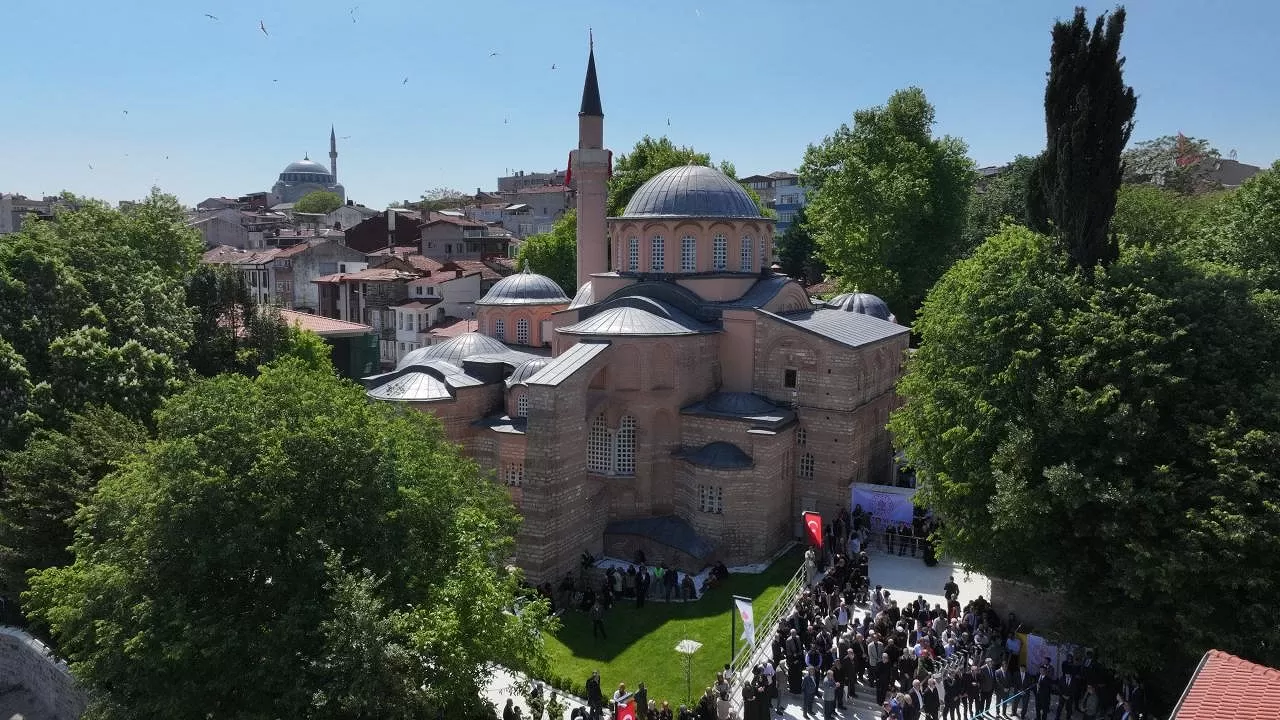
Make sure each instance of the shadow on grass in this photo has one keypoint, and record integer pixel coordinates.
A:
(627, 625)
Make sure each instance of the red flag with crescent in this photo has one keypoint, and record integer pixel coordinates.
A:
(813, 527)
(568, 170)
(628, 711)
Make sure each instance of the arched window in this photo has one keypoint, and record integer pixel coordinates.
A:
(744, 261)
(720, 253)
(500, 329)
(657, 254)
(805, 471)
(802, 436)
(599, 447)
(633, 254)
(625, 459)
(688, 254)
(522, 405)
(522, 331)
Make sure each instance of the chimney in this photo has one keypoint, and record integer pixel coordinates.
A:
(457, 273)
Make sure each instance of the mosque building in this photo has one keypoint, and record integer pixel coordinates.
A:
(308, 176)
(688, 402)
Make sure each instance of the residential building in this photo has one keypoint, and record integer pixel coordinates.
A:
(781, 192)
(284, 276)
(353, 346)
(444, 296)
(14, 210)
(256, 268)
(1226, 686)
(522, 179)
(691, 403)
(453, 236)
(349, 215)
(396, 227)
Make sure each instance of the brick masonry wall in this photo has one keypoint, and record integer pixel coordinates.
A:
(23, 660)
(1037, 609)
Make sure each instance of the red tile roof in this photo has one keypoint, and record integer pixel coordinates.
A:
(227, 255)
(471, 266)
(454, 220)
(323, 326)
(420, 303)
(369, 275)
(455, 328)
(1226, 686)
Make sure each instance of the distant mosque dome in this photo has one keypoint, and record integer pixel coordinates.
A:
(863, 304)
(309, 167)
(691, 191)
(524, 288)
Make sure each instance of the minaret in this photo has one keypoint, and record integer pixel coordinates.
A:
(589, 168)
(333, 154)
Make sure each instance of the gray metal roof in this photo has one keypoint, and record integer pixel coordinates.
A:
(864, 303)
(638, 316)
(742, 406)
(412, 386)
(454, 350)
(759, 294)
(720, 455)
(526, 370)
(524, 288)
(847, 328)
(586, 295)
(573, 359)
(306, 166)
(668, 530)
(691, 191)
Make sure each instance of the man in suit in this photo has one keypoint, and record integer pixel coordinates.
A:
(932, 701)
(1066, 695)
(1000, 681)
(986, 685)
(1044, 692)
(1022, 682)
(916, 707)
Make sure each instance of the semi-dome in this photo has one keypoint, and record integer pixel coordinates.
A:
(524, 288)
(585, 296)
(691, 191)
(863, 304)
(526, 370)
(306, 165)
(454, 351)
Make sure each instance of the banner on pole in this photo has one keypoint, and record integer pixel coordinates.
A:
(743, 606)
(628, 711)
(813, 527)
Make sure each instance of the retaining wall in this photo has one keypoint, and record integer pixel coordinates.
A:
(43, 683)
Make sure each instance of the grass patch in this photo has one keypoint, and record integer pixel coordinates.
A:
(641, 643)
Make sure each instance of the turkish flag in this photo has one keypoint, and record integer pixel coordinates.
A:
(813, 527)
(628, 711)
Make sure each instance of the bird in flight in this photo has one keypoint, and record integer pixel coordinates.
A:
(553, 66)
(345, 137)
(668, 122)
(493, 54)
(263, 27)
(211, 17)
(353, 13)
(406, 81)
(90, 166)
(504, 121)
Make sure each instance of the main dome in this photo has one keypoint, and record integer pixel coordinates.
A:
(691, 191)
(524, 288)
(454, 351)
(306, 165)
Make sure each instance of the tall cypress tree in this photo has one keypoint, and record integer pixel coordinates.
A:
(1088, 118)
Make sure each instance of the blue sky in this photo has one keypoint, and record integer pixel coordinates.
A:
(216, 107)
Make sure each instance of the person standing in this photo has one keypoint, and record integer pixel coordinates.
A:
(1003, 692)
(809, 690)
(986, 685)
(932, 702)
(829, 689)
(951, 695)
(1024, 683)
(1089, 703)
(597, 621)
(1044, 693)
(595, 698)
(642, 702)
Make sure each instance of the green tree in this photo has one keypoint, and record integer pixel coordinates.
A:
(1179, 163)
(1112, 438)
(998, 200)
(92, 310)
(1088, 118)
(1242, 229)
(321, 202)
(441, 198)
(1150, 215)
(232, 332)
(889, 199)
(284, 548)
(554, 254)
(798, 252)
(650, 157)
(47, 480)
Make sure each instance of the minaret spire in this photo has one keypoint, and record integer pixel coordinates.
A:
(589, 168)
(591, 88)
(333, 153)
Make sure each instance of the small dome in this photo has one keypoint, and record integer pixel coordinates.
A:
(306, 165)
(691, 191)
(585, 296)
(863, 304)
(526, 370)
(739, 403)
(524, 288)
(721, 455)
(454, 351)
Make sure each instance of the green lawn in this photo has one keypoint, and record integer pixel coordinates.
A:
(641, 644)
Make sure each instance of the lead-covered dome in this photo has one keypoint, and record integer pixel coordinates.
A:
(524, 288)
(454, 351)
(691, 191)
(863, 304)
(306, 165)
(526, 370)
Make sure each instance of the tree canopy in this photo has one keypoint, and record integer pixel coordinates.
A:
(888, 200)
(997, 200)
(554, 254)
(1118, 436)
(284, 548)
(1088, 119)
(233, 333)
(798, 252)
(1179, 163)
(321, 202)
(1242, 229)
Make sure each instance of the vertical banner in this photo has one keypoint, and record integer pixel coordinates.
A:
(813, 528)
(743, 606)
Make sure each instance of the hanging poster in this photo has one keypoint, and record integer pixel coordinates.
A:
(885, 503)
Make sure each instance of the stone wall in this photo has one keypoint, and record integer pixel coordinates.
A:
(48, 689)
(1037, 610)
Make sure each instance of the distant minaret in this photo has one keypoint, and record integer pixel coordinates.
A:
(589, 168)
(333, 154)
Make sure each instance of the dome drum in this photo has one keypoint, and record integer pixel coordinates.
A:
(525, 288)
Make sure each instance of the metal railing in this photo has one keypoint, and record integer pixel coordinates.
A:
(740, 666)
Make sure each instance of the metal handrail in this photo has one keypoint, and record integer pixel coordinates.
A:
(741, 661)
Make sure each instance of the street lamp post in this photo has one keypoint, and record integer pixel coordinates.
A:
(687, 648)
